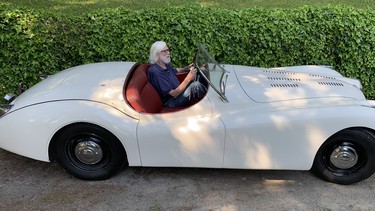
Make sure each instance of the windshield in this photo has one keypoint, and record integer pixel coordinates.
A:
(213, 72)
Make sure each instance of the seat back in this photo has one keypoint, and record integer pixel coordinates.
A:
(140, 93)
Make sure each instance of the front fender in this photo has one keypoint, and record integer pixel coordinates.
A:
(290, 138)
(29, 130)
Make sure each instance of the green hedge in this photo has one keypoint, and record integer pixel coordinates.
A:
(34, 43)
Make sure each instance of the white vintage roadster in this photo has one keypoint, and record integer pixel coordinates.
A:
(95, 119)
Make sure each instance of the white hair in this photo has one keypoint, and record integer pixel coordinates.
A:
(156, 48)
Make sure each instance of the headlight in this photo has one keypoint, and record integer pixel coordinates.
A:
(4, 109)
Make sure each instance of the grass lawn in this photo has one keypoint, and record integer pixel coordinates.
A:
(76, 7)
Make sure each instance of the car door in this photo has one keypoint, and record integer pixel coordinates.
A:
(192, 137)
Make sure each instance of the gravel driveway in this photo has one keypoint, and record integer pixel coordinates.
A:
(27, 184)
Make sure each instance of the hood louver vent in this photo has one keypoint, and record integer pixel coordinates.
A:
(330, 83)
(322, 76)
(285, 85)
(283, 79)
(278, 72)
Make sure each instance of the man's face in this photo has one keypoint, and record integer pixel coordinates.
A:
(165, 55)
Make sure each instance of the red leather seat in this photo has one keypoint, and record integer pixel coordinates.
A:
(141, 94)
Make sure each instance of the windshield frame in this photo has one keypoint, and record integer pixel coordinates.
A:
(211, 70)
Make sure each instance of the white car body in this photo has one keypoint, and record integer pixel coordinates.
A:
(274, 118)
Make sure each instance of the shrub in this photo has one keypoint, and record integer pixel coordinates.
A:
(34, 43)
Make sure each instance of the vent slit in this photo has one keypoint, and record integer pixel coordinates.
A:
(283, 79)
(323, 83)
(285, 85)
(322, 76)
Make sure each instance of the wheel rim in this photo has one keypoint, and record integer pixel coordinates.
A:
(344, 158)
(88, 152)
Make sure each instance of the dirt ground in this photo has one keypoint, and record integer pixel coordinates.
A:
(27, 184)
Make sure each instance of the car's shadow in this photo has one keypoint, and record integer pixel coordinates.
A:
(13, 165)
(29, 184)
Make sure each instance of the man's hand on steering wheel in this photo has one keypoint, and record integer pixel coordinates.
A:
(192, 74)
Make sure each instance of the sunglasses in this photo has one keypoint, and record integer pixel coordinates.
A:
(166, 50)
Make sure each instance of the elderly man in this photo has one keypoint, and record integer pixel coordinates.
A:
(163, 77)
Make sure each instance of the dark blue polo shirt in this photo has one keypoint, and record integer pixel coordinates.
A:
(164, 80)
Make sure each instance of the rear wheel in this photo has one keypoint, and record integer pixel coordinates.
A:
(89, 152)
(347, 157)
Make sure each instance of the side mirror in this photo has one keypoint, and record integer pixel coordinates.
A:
(9, 97)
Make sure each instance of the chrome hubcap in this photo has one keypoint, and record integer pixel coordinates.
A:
(88, 152)
(344, 157)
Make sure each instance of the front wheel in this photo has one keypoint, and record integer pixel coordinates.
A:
(347, 157)
(89, 152)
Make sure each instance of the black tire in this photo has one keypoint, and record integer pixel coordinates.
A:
(89, 152)
(347, 157)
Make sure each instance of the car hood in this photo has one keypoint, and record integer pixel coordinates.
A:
(299, 82)
(101, 82)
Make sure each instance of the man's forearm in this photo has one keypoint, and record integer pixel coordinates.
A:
(175, 92)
